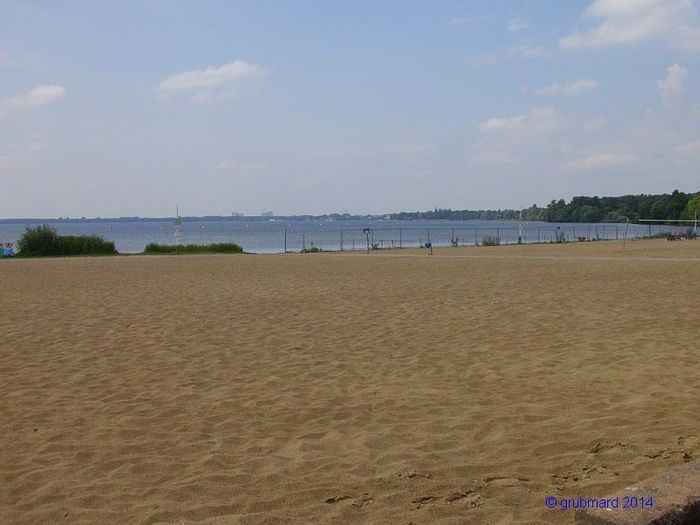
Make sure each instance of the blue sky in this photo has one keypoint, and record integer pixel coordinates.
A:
(126, 108)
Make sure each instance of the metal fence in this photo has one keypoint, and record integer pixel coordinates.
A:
(395, 238)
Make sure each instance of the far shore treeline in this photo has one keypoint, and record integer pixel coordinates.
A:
(673, 206)
(665, 206)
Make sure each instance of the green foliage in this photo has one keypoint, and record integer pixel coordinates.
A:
(692, 207)
(530, 214)
(313, 249)
(490, 240)
(224, 247)
(676, 205)
(666, 206)
(44, 241)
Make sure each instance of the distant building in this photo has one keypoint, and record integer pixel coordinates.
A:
(267, 214)
(236, 214)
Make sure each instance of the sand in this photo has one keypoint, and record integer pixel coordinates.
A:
(325, 388)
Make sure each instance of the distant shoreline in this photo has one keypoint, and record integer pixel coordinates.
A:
(591, 210)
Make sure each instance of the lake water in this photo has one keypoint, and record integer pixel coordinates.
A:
(272, 236)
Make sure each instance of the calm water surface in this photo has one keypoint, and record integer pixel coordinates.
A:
(269, 236)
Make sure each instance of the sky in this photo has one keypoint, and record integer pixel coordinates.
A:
(120, 108)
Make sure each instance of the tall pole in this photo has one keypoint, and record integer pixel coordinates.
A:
(178, 225)
(520, 228)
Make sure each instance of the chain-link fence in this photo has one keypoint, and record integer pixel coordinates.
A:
(273, 237)
(395, 238)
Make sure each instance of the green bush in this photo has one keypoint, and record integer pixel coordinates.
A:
(490, 240)
(43, 241)
(223, 247)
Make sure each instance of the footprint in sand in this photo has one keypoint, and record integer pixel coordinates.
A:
(599, 473)
(463, 496)
(505, 481)
(336, 499)
(424, 500)
(364, 499)
(686, 447)
(413, 475)
(603, 446)
(470, 497)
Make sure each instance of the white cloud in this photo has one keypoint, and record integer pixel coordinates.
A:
(599, 161)
(494, 157)
(690, 148)
(518, 24)
(671, 87)
(537, 120)
(528, 50)
(212, 76)
(568, 88)
(36, 97)
(674, 22)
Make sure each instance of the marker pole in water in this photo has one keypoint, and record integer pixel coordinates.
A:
(520, 228)
(178, 225)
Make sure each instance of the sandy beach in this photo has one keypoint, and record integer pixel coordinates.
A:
(345, 388)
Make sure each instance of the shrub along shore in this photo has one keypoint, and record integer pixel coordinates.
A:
(44, 241)
(222, 247)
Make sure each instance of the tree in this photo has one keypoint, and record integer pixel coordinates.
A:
(692, 207)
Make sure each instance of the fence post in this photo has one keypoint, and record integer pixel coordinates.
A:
(303, 241)
(400, 237)
(475, 239)
(498, 235)
(285, 240)
(538, 234)
(617, 233)
(341, 240)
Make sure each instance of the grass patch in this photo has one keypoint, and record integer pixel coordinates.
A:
(490, 240)
(43, 241)
(222, 247)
